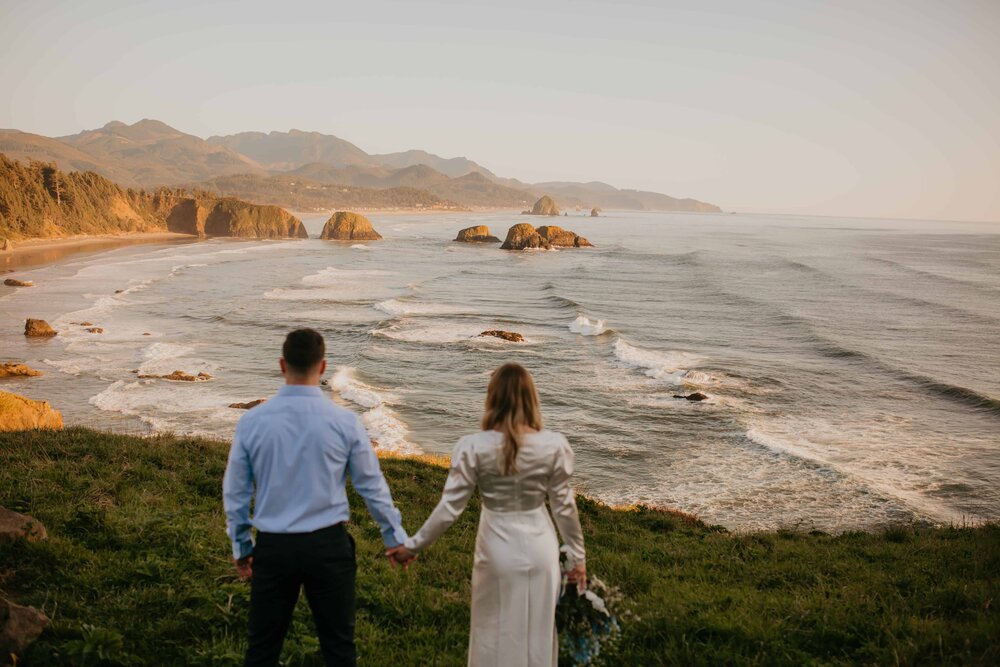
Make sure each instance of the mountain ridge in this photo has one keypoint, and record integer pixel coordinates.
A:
(150, 153)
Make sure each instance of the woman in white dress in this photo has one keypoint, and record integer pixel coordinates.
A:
(515, 577)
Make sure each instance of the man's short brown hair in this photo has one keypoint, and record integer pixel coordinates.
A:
(303, 350)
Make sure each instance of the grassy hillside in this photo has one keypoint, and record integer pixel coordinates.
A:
(137, 562)
(299, 193)
(38, 200)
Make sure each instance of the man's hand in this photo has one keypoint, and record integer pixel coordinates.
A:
(244, 567)
(400, 555)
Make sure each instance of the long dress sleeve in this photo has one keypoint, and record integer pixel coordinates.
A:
(562, 502)
(454, 499)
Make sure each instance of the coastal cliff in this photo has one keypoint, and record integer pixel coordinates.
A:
(37, 200)
(129, 518)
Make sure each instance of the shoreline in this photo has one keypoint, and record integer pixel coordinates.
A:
(405, 211)
(30, 253)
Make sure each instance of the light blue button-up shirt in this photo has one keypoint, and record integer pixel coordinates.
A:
(297, 448)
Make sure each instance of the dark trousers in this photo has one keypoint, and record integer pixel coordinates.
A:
(322, 562)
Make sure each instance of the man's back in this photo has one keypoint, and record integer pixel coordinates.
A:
(296, 451)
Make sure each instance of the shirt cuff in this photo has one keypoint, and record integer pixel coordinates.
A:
(242, 549)
(394, 537)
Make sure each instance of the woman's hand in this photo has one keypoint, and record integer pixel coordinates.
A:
(400, 555)
(578, 576)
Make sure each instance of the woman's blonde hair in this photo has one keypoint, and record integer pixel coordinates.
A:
(511, 402)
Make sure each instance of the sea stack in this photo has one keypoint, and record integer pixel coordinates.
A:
(206, 216)
(348, 226)
(545, 206)
(522, 236)
(38, 329)
(563, 238)
(594, 211)
(477, 234)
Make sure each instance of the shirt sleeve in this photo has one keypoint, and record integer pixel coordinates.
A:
(562, 502)
(237, 490)
(458, 489)
(366, 475)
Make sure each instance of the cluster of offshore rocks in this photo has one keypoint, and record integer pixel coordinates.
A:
(349, 226)
(523, 236)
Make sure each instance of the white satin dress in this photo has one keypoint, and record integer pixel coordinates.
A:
(515, 576)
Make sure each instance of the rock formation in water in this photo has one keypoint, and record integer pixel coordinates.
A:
(18, 413)
(11, 282)
(544, 206)
(8, 245)
(178, 376)
(563, 238)
(38, 328)
(511, 336)
(594, 212)
(694, 396)
(348, 226)
(11, 369)
(477, 234)
(206, 216)
(522, 236)
(248, 404)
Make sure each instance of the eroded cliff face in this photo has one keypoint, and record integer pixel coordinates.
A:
(232, 217)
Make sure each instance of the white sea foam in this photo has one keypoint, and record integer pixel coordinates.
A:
(360, 246)
(397, 307)
(670, 366)
(442, 332)
(346, 383)
(384, 427)
(819, 442)
(332, 276)
(586, 327)
(170, 406)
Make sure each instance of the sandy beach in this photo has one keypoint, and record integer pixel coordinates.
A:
(33, 252)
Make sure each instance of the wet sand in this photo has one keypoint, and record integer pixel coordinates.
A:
(35, 252)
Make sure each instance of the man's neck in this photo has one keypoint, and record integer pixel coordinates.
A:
(301, 381)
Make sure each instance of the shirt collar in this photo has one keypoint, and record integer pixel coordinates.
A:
(299, 390)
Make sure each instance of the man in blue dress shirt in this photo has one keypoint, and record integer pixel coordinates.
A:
(297, 448)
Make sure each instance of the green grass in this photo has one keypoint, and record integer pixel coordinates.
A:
(137, 569)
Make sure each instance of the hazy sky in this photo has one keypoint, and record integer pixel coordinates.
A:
(885, 108)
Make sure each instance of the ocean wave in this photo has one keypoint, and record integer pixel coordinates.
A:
(398, 307)
(887, 483)
(965, 395)
(333, 276)
(670, 366)
(445, 333)
(350, 388)
(186, 408)
(586, 327)
(360, 246)
(387, 431)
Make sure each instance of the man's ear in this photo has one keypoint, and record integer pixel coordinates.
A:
(281, 362)
(322, 367)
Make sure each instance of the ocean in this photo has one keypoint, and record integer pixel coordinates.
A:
(852, 365)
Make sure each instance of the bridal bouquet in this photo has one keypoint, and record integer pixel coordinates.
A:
(588, 621)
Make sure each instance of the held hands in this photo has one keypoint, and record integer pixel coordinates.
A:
(400, 555)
